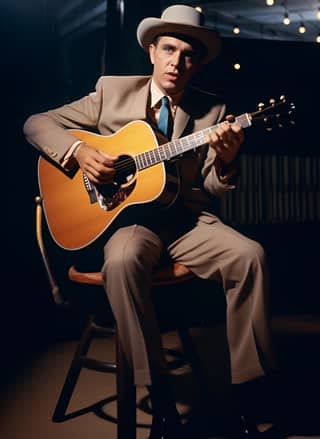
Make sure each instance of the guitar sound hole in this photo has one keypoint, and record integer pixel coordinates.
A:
(125, 172)
(126, 169)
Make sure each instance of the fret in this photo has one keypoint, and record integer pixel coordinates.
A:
(149, 158)
(166, 152)
(143, 160)
(201, 139)
(157, 155)
(154, 156)
(175, 148)
(162, 153)
(138, 162)
(189, 142)
(166, 148)
(170, 148)
(179, 146)
(244, 120)
(213, 128)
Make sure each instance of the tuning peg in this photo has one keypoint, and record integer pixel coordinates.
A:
(267, 123)
(261, 106)
(279, 123)
(272, 101)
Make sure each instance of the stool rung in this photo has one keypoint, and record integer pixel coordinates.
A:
(98, 365)
(102, 330)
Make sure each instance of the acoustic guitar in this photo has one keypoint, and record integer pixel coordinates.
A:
(78, 212)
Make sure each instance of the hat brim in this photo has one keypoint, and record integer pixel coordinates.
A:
(149, 28)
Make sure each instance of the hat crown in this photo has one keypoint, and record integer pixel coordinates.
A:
(183, 14)
(180, 20)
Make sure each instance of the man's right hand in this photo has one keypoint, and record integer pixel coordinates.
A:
(98, 166)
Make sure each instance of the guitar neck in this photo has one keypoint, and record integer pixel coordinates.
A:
(176, 147)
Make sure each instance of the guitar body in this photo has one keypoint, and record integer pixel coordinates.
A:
(74, 219)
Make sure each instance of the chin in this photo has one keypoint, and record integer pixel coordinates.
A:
(171, 87)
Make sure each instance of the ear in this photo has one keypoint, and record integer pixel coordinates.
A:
(152, 49)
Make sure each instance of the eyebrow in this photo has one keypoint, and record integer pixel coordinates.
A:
(190, 50)
(169, 45)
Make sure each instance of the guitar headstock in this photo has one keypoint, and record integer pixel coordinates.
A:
(276, 114)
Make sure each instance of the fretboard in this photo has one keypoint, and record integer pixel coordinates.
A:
(177, 147)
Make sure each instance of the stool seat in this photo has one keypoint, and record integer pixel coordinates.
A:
(168, 274)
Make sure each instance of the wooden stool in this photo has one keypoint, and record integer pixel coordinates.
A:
(170, 274)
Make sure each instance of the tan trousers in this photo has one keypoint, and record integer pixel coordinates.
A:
(212, 251)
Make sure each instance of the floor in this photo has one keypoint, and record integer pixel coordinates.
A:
(28, 402)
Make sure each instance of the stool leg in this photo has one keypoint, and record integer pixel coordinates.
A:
(193, 359)
(126, 394)
(74, 372)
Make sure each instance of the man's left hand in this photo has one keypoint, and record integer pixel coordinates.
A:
(226, 141)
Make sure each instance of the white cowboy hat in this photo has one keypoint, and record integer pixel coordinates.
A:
(180, 19)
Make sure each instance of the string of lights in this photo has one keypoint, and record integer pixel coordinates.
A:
(302, 29)
(290, 18)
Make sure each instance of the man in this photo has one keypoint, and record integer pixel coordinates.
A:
(179, 46)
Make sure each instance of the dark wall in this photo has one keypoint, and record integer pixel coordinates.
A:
(270, 69)
(28, 61)
(35, 79)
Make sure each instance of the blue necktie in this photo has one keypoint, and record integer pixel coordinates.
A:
(163, 122)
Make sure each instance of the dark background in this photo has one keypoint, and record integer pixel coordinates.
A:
(39, 72)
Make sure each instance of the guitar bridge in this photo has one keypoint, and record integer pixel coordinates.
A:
(90, 189)
(109, 202)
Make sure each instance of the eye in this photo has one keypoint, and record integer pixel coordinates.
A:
(189, 55)
(168, 49)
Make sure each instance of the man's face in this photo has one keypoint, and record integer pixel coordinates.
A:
(174, 63)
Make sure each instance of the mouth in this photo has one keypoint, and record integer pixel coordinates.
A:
(172, 76)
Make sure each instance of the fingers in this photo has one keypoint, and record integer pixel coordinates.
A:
(97, 165)
(229, 133)
(99, 174)
(230, 118)
(226, 141)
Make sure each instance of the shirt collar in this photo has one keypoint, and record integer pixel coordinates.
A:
(157, 94)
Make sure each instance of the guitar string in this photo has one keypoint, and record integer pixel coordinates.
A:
(127, 163)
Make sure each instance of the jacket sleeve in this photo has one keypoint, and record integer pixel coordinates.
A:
(212, 181)
(48, 131)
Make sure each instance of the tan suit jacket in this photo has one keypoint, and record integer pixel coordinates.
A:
(118, 100)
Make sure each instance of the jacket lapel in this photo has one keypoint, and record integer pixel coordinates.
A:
(139, 102)
(182, 117)
(180, 122)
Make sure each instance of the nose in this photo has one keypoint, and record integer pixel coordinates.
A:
(176, 59)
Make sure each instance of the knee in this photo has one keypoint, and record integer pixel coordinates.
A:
(120, 250)
(132, 248)
(253, 253)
